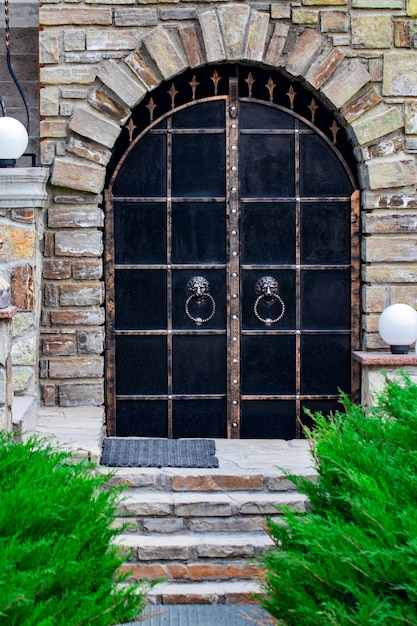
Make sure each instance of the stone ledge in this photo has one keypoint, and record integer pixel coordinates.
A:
(384, 359)
(23, 187)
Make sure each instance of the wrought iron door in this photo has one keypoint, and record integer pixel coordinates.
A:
(230, 225)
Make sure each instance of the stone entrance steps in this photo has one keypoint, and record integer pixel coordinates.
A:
(202, 531)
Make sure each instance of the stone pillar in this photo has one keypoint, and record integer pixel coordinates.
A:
(6, 387)
(376, 366)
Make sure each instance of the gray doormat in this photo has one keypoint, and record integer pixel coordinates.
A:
(204, 615)
(132, 452)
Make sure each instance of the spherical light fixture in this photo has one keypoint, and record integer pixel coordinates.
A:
(13, 141)
(397, 326)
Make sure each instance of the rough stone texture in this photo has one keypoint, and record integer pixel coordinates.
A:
(395, 171)
(164, 53)
(379, 121)
(212, 36)
(308, 46)
(371, 32)
(89, 123)
(122, 82)
(400, 74)
(360, 106)
(346, 82)
(80, 174)
(256, 36)
(191, 44)
(233, 20)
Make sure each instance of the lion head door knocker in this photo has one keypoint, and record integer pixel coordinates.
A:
(267, 289)
(199, 289)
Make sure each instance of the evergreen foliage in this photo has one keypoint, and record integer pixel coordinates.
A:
(351, 559)
(58, 562)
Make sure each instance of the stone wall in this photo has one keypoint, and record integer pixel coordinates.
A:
(99, 59)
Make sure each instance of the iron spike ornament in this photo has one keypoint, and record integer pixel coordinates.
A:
(291, 93)
(335, 129)
(173, 93)
(270, 85)
(250, 80)
(313, 108)
(130, 129)
(216, 79)
(193, 84)
(151, 106)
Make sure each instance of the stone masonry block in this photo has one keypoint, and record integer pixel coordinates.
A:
(400, 73)
(57, 270)
(90, 123)
(87, 269)
(18, 243)
(81, 294)
(212, 36)
(157, 553)
(276, 44)
(377, 4)
(76, 367)
(59, 345)
(192, 47)
(74, 41)
(22, 287)
(49, 101)
(305, 16)
(380, 249)
(374, 298)
(334, 21)
(142, 70)
(397, 170)
(410, 115)
(324, 2)
(385, 222)
(364, 103)
(217, 483)
(75, 216)
(371, 31)
(213, 551)
(88, 150)
(24, 350)
(256, 36)
(203, 509)
(117, 77)
(106, 101)
(68, 243)
(48, 47)
(306, 49)
(135, 16)
(78, 174)
(233, 19)
(87, 394)
(391, 273)
(350, 77)
(324, 66)
(80, 316)
(115, 39)
(90, 341)
(53, 128)
(74, 15)
(66, 75)
(379, 121)
(162, 49)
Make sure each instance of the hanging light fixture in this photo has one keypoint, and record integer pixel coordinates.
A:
(397, 326)
(13, 134)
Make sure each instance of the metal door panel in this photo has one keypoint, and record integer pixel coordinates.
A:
(232, 262)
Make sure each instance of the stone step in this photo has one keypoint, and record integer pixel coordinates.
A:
(202, 480)
(205, 570)
(186, 505)
(235, 592)
(194, 546)
(174, 525)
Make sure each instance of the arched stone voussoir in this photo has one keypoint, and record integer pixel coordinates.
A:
(118, 77)
(165, 51)
(79, 174)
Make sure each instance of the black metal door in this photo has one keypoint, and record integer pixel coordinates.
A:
(229, 267)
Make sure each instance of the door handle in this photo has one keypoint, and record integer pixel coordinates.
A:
(267, 289)
(199, 289)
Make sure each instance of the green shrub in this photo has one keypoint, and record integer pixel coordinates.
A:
(58, 562)
(351, 559)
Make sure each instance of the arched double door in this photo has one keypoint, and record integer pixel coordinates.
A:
(231, 226)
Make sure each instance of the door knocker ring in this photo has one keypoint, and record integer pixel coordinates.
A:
(267, 287)
(199, 289)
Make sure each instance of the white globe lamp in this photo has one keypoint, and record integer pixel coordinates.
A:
(397, 326)
(13, 141)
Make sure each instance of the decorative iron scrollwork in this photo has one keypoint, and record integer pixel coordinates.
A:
(199, 289)
(267, 289)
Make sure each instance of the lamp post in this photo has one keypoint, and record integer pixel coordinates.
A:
(13, 134)
(397, 326)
